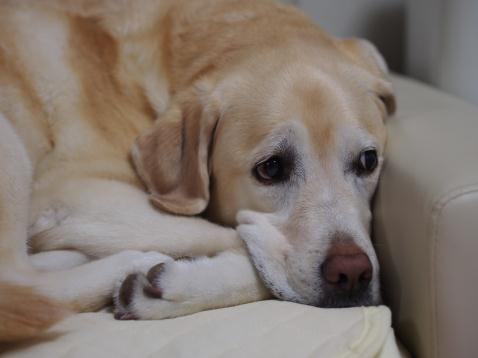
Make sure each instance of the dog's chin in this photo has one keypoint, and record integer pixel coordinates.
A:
(346, 299)
(322, 296)
(326, 300)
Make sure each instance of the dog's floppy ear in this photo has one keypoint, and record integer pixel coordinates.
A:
(366, 55)
(172, 158)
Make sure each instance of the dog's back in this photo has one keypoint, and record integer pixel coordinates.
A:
(65, 90)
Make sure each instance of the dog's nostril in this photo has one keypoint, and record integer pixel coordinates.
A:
(366, 276)
(348, 272)
(342, 279)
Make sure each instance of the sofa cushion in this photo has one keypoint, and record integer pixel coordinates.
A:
(260, 329)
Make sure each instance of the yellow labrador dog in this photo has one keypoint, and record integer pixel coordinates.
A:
(258, 137)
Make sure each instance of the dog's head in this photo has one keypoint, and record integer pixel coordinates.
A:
(288, 145)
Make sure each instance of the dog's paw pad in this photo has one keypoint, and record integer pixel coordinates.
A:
(125, 295)
(163, 291)
(154, 273)
(153, 289)
(126, 291)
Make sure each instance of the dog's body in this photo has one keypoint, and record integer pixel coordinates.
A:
(81, 80)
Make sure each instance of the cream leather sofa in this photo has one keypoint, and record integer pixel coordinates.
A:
(426, 222)
(426, 233)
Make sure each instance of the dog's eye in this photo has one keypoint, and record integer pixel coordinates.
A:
(270, 171)
(367, 162)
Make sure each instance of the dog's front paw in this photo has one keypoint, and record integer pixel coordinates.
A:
(160, 293)
(268, 249)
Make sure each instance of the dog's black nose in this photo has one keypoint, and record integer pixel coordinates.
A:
(347, 273)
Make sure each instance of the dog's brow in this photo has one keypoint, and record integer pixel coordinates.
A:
(285, 145)
(278, 145)
(286, 149)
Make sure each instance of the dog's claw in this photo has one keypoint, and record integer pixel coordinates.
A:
(125, 316)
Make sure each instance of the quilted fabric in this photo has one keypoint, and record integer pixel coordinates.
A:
(260, 329)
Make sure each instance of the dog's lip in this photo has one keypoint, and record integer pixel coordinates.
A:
(364, 299)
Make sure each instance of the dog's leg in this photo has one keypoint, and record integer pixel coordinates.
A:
(84, 287)
(89, 287)
(187, 286)
(57, 260)
(107, 217)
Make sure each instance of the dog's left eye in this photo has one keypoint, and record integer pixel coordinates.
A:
(270, 171)
(367, 162)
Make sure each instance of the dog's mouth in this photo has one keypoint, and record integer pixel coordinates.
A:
(277, 281)
(326, 297)
(343, 299)
(345, 278)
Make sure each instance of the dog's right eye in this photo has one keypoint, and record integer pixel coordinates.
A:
(367, 162)
(270, 171)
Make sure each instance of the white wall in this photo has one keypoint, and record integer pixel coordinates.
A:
(442, 37)
(381, 21)
(435, 41)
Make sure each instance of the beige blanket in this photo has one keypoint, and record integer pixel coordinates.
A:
(261, 329)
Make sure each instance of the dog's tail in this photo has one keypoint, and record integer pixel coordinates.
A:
(24, 313)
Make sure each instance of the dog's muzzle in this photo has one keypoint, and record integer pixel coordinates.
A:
(346, 275)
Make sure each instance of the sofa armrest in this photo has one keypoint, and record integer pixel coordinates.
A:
(426, 222)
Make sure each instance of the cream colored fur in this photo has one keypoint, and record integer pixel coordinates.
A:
(212, 86)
